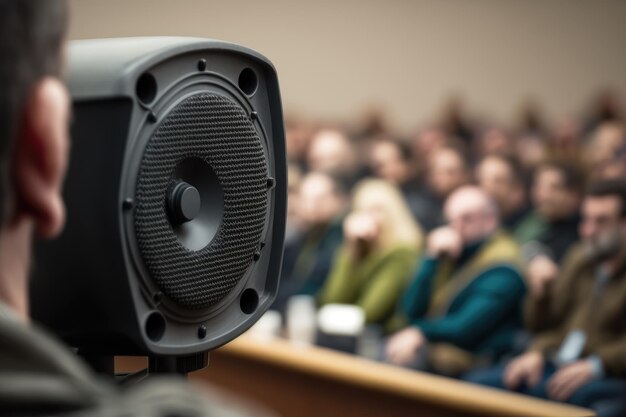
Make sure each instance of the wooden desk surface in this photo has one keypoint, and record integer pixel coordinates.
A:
(311, 381)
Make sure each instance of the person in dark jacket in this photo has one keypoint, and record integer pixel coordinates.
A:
(307, 260)
(552, 228)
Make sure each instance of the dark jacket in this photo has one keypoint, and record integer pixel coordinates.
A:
(40, 377)
(555, 237)
(307, 262)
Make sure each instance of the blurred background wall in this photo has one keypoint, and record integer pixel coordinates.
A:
(336, 58)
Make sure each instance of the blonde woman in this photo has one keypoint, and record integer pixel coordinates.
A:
(381, 245)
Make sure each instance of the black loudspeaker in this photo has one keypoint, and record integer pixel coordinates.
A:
(175, 194)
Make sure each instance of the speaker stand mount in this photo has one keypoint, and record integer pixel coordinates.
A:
(181, 365)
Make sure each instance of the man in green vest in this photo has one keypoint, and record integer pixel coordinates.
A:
(464, 305)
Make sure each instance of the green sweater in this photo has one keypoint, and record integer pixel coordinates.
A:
(375, 283)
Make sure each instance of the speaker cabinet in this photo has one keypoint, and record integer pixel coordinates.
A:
(175, 194)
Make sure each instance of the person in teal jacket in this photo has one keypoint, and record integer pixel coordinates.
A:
(464, 305)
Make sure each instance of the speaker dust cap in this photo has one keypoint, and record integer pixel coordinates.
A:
(201, 200)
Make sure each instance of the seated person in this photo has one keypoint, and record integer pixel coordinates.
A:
(464, 305)
(308, 257)
(381, 245)
(556, 193)
(502, 177)
(548, 233)
(446, 170)
(392, 161)
(331, 151)
(579, 353)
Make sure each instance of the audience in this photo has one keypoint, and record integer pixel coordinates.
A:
(512, 199)
(464, 305)
(467, 304)
(381, 245)
(578, 354)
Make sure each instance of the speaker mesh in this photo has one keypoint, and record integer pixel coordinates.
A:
(215, 129)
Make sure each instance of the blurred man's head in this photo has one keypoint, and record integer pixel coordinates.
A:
(330, 151)
(566, 133)
(34, 112)
(391, 161)
(471, 213)
(447, 170)
(321, 199)
(427, 141)
(494, 140)
(530, 149)
(607, 140)
(297, 136)
(603, 224)
(502, 178)
(557, 189)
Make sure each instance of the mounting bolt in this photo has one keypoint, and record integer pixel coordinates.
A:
(257, 255)
(254, 115)
(271, 182)
(157, 297)
(202, 331)
(127, 204)
(152, 117)
(202, 65)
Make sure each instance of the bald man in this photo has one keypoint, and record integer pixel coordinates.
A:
(464, 305)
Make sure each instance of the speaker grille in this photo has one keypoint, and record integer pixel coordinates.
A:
(218, 131)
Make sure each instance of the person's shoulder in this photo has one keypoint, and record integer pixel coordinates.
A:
(576, 255)
(39, 373)
(180, 398)
(576, 263)
(501, 278)
(401, 252)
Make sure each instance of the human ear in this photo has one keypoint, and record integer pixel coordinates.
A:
(41, 155)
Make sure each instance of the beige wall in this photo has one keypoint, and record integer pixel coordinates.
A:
(335, 57)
